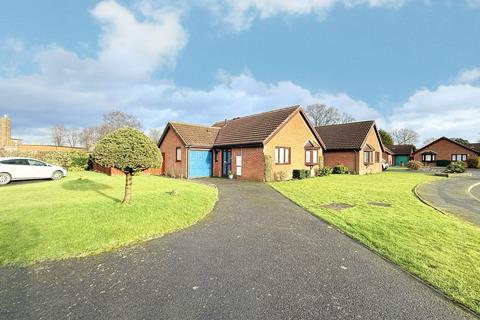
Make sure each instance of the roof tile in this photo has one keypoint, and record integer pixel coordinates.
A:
(345, 136)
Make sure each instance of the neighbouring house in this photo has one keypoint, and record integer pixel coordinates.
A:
(388, 155)
(475, 146)
(241, 146)
(10, 144)
(444, 149)
(401, 154)
(356, 145)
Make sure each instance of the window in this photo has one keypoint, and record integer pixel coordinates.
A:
(36, 163)
(18, 162)
(179, 154)
(368, 157)
(377, 157)
(311, 157)
(459, 157)
(282, 155)
(429, 157)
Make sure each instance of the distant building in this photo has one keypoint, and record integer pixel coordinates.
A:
(8, 143)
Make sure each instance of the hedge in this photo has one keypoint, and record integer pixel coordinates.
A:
(301, 174)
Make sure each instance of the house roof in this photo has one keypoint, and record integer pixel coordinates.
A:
(401, 149)
(449, 140)
(387, 150)
(257, 128)
(475, 146)
(192, 134)
(347, 136)
(254, 129)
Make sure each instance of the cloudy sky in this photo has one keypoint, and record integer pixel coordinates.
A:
(405, 63)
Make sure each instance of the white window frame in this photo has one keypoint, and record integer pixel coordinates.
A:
(178, 154)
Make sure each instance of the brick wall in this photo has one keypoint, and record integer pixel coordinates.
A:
(347, 158)
(169, 148)
(116, 172)
(444, 150)
(372, 140)
(252, 163)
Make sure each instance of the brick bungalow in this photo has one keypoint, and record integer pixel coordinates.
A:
(356, 145)
(444, 149)
(401, 154)
(240, 146)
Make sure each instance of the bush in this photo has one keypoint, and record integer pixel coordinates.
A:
(473, 163)
(268, 171)
(456, 167)
(443, 163)
(414, 165)
(280, 175)
(72, 160)
(340, 169)
(325, 171)
(301, 174)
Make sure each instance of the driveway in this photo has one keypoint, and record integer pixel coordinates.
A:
(256, 256)
(455, 195)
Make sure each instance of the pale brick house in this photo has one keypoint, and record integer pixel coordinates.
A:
(444, 149)
(356, 145)
(240, 146)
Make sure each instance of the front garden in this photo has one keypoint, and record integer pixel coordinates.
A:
(382, 212)
(82, 214)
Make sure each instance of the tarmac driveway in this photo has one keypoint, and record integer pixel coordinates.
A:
(256, 256)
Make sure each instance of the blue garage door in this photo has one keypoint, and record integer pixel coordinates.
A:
(200, 163)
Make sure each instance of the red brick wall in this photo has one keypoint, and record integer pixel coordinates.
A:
(169, 148)
(347, 158)
(252, 163)
(116, 172)
(444, 150)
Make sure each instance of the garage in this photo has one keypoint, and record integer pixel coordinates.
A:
(199, 163)
(401, 160)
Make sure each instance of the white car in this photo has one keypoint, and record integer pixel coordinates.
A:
(13, 168)
(385, 165)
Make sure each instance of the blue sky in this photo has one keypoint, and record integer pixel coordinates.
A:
(404, 63)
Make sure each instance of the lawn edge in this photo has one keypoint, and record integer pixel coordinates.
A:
(438, 291)
(133, 243)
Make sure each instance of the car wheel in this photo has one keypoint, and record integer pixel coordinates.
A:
(5, 178)
(57, 175)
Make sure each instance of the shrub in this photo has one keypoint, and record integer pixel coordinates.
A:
(456, 167)
(414, 165)
(473, 163)
(268, 171)
(72, 160)
(301, 174)
(340, 169)
(130, 151)
(280, 175)
(443, 163)
(325, 171)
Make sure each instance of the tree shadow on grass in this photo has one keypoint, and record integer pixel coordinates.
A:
(89, 185)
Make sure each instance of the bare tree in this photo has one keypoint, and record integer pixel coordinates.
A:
(72, 136)
(58, 135)
(155, 135)
(117, 119)
(89, 136)
(323, 115)
(405, 136)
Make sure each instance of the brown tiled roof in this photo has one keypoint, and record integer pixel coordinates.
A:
(195, 135)
(475, 146)
(345, 136)
(401, 149)
(387, 150)
(253, 129)
(469, 147)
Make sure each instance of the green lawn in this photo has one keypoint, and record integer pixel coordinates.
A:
(73, 217)
(442, 250)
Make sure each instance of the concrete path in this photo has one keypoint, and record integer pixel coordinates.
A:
(256, 256)
(453, 196)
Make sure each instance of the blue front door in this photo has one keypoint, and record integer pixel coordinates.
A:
(200, 163)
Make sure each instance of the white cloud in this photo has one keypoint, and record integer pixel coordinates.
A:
(468, 76)
(451, 111)
(240, 14)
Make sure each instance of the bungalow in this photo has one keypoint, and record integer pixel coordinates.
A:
(356, 145)
(401, 154)
(444, 149)
(241, 146)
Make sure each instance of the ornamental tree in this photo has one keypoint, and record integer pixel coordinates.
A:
(128, 150)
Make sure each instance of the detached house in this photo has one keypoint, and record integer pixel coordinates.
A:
(444, 149)
(356, 145)
(241, 146)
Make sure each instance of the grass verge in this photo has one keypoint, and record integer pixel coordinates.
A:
(73, 217)
(441, 249)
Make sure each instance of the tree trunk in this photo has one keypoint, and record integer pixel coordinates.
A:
(128, 188)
